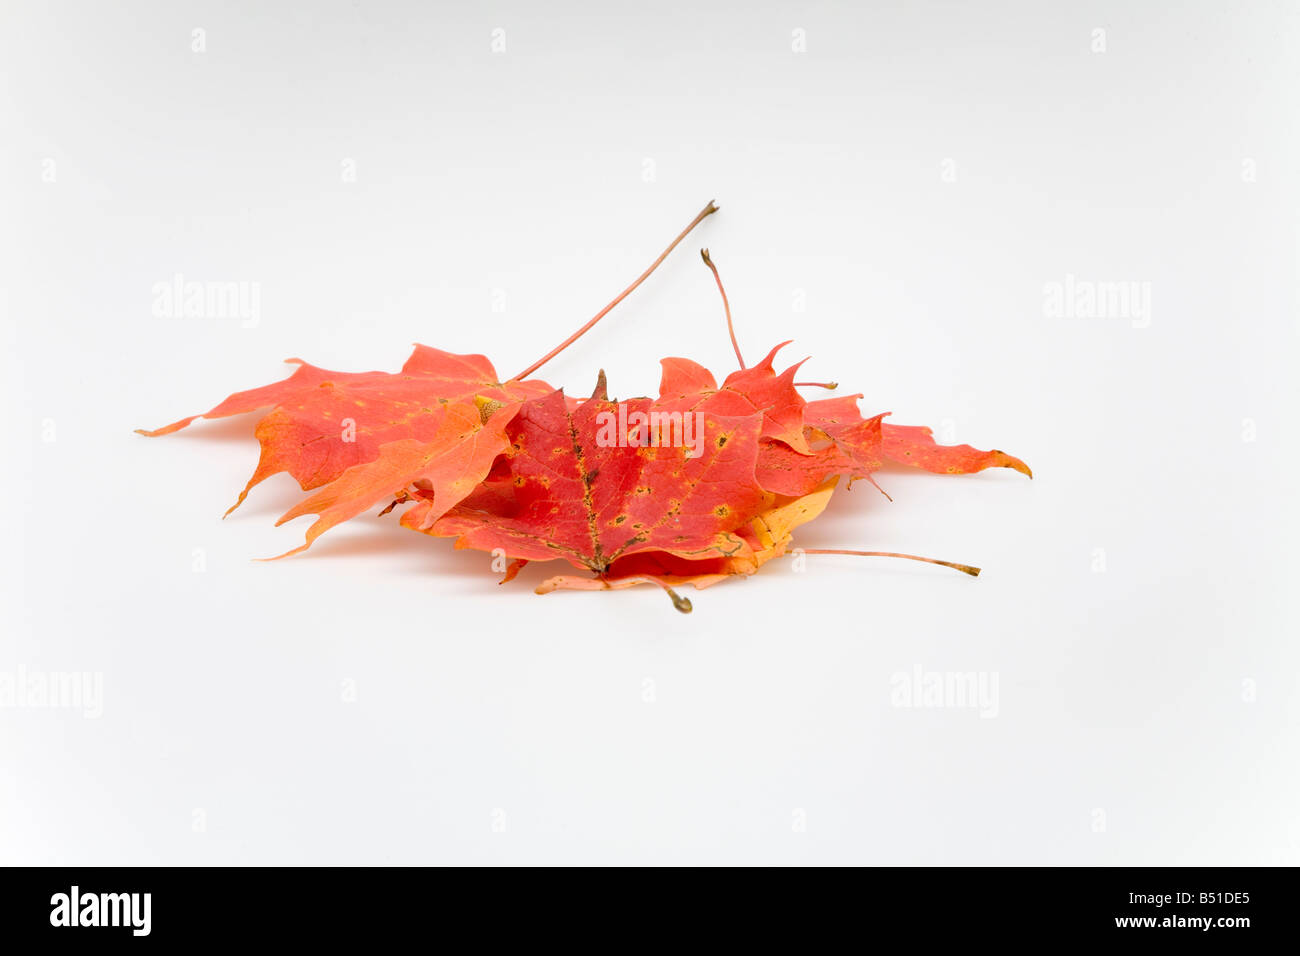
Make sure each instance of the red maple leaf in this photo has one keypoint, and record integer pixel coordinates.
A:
(703, 483)
(591, 486)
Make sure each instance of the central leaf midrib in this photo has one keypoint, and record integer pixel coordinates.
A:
(597, 561)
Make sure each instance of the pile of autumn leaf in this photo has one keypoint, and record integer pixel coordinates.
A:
(522, 467)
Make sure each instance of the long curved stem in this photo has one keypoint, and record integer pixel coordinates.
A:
(704, 213)
(731, 329)
(964, 568)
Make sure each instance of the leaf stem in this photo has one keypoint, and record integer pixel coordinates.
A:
(682, 604)
(964, 568)
(707, 211)
(731, 329)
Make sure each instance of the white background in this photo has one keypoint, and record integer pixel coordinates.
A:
(915, 178)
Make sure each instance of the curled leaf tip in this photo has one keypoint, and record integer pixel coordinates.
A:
(1010, 461)
(238, 501)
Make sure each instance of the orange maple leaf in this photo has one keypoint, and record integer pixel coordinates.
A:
(324, 422)
(704, 483)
